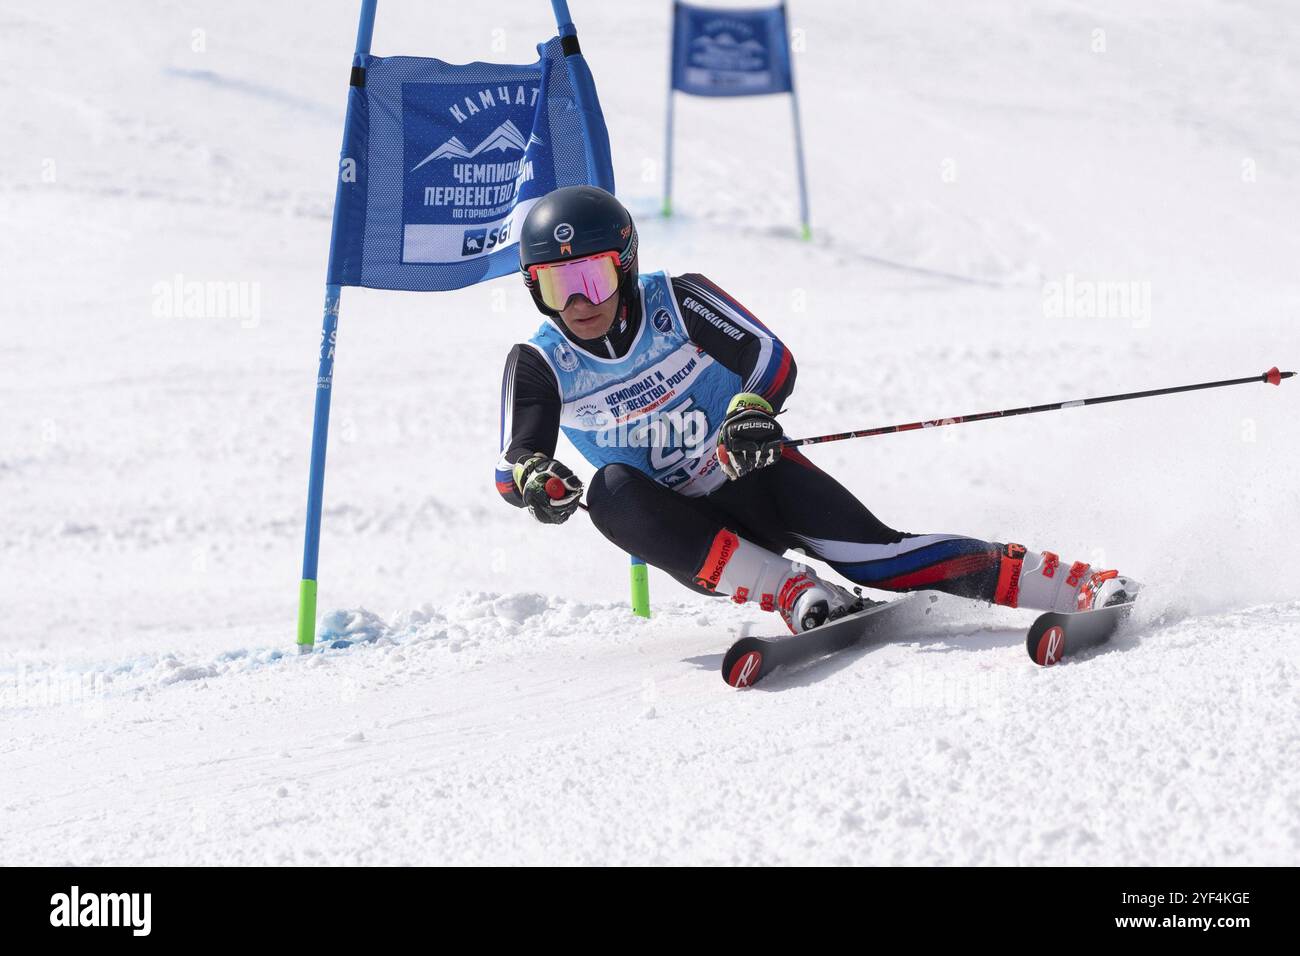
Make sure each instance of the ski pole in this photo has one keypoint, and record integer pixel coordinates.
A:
(1272, 377)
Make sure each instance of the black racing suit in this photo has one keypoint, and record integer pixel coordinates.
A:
(791, 504)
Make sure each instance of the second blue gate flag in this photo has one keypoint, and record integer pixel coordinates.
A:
(732, 52)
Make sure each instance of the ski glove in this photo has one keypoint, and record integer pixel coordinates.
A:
(750, 437)
(550, 490)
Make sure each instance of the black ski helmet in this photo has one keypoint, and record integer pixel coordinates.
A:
(576, 221)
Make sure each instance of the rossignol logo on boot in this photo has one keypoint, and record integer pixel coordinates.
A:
(724, 556)
(74, 909)
(1013, 584)
(724, 545)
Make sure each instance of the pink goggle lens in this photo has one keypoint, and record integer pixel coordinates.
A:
(594, 277)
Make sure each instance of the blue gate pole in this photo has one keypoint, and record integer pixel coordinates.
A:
(562, 17)
(325, 381)
(640, 582)
(806, 230)
(668, 150)
(668, 131)
(583, 91)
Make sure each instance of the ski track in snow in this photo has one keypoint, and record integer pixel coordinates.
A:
(498, 704)
(479, 732)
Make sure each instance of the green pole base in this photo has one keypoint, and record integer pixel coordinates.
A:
(640, 575)
(668, 209)
(306, 615)
(806, 232)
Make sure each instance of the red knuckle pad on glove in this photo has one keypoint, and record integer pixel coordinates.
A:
(551, 491)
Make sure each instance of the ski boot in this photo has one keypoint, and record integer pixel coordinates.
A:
(1041, 582)
(751, 573)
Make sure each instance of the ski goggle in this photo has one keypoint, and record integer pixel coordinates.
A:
(595, 277)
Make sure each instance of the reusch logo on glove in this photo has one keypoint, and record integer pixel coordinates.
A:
(756, 428)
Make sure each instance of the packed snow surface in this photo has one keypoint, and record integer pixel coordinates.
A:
(977, 174)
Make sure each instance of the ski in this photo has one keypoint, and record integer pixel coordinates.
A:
(751, 659)
(1057, 633)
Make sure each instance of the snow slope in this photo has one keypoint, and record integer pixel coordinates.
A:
(501, 705)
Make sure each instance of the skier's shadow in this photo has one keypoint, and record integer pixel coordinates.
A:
(961, 640)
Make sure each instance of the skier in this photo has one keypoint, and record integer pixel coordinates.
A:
(670, 388)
